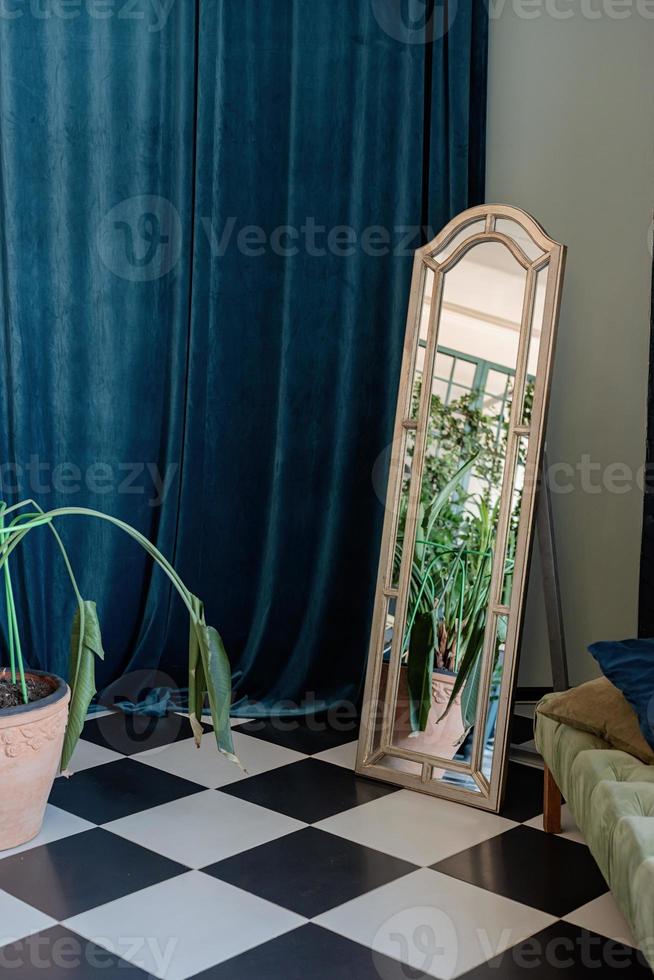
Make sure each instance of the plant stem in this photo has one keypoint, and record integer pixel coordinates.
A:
(143, 541)
(13, 628)
(15, 652)
(21, 524)
(18, 532)
(460, 623)
(10, 632)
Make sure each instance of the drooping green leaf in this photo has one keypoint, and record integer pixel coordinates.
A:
(419, 549)
(471, 655)
(85, 646)
(420, 667)
(218, 677)
(197, 685)
(443, 495)
(470, 695)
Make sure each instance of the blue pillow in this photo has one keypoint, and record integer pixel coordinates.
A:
(629, 665)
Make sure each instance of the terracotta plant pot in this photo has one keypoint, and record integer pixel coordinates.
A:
(441, 738)
(31, 739)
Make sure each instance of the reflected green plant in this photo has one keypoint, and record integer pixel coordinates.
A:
(451, 566)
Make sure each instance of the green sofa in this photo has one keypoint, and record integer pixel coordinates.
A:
(611, 796)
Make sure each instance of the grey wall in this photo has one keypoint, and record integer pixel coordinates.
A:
(571, 139)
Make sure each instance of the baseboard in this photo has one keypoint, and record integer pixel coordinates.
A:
(532, 693)
(526, 757)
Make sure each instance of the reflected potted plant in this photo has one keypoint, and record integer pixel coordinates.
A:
(443, 640)
(42, 716)
(450, 576)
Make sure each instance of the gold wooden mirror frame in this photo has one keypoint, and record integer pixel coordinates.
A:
(534, 251)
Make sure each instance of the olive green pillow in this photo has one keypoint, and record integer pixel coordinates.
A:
(599, 708)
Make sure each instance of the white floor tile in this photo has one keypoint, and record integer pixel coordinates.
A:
(416, 828)
(56, 825)
(342, 755)
(434, 923)
(569, 828)
(208, 767)
(604, 917)
(87, 755)
(206, 827)
(182, 926)
(18, 920)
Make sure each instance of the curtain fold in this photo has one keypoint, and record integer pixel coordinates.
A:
(207, 227)
(96, 136)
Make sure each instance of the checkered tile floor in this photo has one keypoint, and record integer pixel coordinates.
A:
(159, 860)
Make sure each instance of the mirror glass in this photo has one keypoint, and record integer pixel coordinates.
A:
(520, 235)
(447, 614)
(462, 235)
(451, 555)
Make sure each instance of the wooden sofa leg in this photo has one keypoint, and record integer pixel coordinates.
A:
(551, 804)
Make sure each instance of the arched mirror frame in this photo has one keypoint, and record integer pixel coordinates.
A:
(376, 738)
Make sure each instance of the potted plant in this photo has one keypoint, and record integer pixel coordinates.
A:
(42, 716)
(444, 637)
(443, 640)
(451, 568)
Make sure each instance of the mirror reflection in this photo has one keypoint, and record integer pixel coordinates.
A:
(447, 613)
(452, 554)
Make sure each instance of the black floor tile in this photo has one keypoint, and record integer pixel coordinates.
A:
(564, 952)
(59, 954)
(308, 736)
(310, 952)
(546, 872)
(309, 790)
(129, 734)
(80, 872)
(118, 789)
(524, 792)
(310, 871)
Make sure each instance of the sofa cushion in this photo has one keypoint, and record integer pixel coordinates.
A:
(599, 708)
(629, 664)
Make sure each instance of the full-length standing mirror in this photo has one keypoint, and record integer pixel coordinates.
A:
(460, 506)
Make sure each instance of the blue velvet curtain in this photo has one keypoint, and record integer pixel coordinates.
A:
(207, 215)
